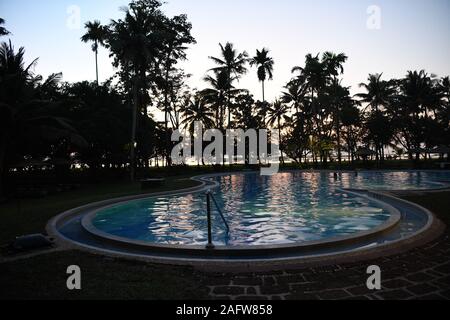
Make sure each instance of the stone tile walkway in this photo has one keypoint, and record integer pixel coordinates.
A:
(422, 273)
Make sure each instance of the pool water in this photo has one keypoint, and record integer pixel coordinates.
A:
(289, 207)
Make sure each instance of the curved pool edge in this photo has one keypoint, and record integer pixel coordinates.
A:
(433, 229)
(197, 250)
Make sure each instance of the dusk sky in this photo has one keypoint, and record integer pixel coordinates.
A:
(413, 35)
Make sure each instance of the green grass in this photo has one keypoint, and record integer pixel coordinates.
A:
(25, 216)
(44, 277)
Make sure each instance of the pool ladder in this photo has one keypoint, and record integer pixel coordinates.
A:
(209, 197)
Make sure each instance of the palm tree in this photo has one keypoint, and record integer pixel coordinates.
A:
(296, 95)
(177, 35)
(379, 93)
(314, 74)
(277, 113)
(197, 110)
(27, 116)
(419, 95)
(216, 95)
(334, 63)
(339, 98)
(97, 34)
(264, 63)
(135, 44)
(334, 66)
(233, 64)
(3, 31)
(444, 87)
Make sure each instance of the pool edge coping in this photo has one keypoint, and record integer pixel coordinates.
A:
(433, 229)
(391, 222)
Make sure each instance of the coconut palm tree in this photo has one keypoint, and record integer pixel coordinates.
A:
(135, 43)
(444, 87)
(277, 113)
(419, 96)
(296, 95)
(197, 110)
(379, 93)
(339, 99)
(216, 95)
(27, 115)
(334, 63)
(264, 63)
(233, 64)
(96, 33)
(3, 31)
(314, 74)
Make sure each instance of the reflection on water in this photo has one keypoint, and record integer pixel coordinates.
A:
(291, 207)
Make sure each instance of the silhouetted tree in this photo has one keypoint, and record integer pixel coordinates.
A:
(264, 64)
(96, 33)
(232, 63)
(176, 37)
(3, 31)
(136, 43)
(378, 96)
(216, 95)
(277, 113)
(30, 126)
(197, 110)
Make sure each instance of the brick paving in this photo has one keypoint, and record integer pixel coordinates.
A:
(422, 273)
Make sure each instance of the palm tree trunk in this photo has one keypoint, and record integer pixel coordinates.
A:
(263, 92)
(218, 117)
(166, 116)
(229, 110)
(338, 132)
(133, 133)
(264, 103)
(279, 137)
(229, 127)
(96, 64)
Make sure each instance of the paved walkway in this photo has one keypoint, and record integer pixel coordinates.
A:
(422, 273)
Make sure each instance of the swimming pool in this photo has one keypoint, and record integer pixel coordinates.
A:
(295, 207)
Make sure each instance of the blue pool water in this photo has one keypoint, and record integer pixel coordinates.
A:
(290, 207)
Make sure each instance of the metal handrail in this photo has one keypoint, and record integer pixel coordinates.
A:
(210, 196)
(220, 212)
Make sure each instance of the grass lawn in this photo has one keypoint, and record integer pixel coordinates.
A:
(26, 216)
(44, 276)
